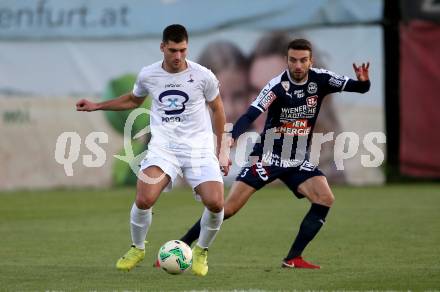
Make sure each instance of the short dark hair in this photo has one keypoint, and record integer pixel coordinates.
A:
(300, 44)
(175, 32)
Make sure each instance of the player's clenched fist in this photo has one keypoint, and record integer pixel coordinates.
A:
(85, 105)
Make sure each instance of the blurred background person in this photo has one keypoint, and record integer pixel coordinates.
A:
(230, 65)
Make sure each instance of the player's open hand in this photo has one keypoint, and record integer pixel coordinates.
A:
(362, 71)
(86, 106)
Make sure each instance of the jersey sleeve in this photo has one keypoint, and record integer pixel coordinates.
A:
(334, 82)
(140, 89)
(357, 86)
(265, 98)
(245, 121)
(211, 89)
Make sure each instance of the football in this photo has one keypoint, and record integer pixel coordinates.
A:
(175, 257)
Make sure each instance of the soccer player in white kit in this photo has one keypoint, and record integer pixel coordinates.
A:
(182, 142)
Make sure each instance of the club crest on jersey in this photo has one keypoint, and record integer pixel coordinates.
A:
(312, 101)
(312, 88)
(285, 85)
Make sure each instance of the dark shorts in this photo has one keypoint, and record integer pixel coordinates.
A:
(259, 175)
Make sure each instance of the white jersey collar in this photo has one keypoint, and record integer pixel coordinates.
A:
(177, 73)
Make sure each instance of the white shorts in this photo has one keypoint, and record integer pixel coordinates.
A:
(195, 167)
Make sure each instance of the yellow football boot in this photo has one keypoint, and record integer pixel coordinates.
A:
(130, 259)
(200, 261)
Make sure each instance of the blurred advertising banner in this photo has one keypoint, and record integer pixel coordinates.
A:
(57, 51)
(243, 60)
(30, 131)
(49, 19)
(420, 9)
(419, 91)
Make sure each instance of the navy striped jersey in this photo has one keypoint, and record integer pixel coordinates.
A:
(292, 109)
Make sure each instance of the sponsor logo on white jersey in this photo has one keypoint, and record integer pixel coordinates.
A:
(172, 85)
(174, 100)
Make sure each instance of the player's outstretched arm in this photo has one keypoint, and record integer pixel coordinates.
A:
(124, 102)
(362, 84)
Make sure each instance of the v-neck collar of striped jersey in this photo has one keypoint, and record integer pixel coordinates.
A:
(177, 73)
(296, 83)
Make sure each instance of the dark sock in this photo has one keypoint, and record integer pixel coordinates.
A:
(310, 226)
(192, 234)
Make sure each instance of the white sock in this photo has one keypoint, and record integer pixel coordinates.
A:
(209, 226)
(140, 221)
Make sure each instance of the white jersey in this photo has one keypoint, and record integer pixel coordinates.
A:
(179, 113)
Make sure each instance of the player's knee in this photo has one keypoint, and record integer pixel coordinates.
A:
(144, 202)
(214, 202)
(326, 199)
(214, 206)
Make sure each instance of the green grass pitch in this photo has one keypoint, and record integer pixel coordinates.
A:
(375, 238)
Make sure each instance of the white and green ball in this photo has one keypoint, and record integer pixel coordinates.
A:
(175, 257)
